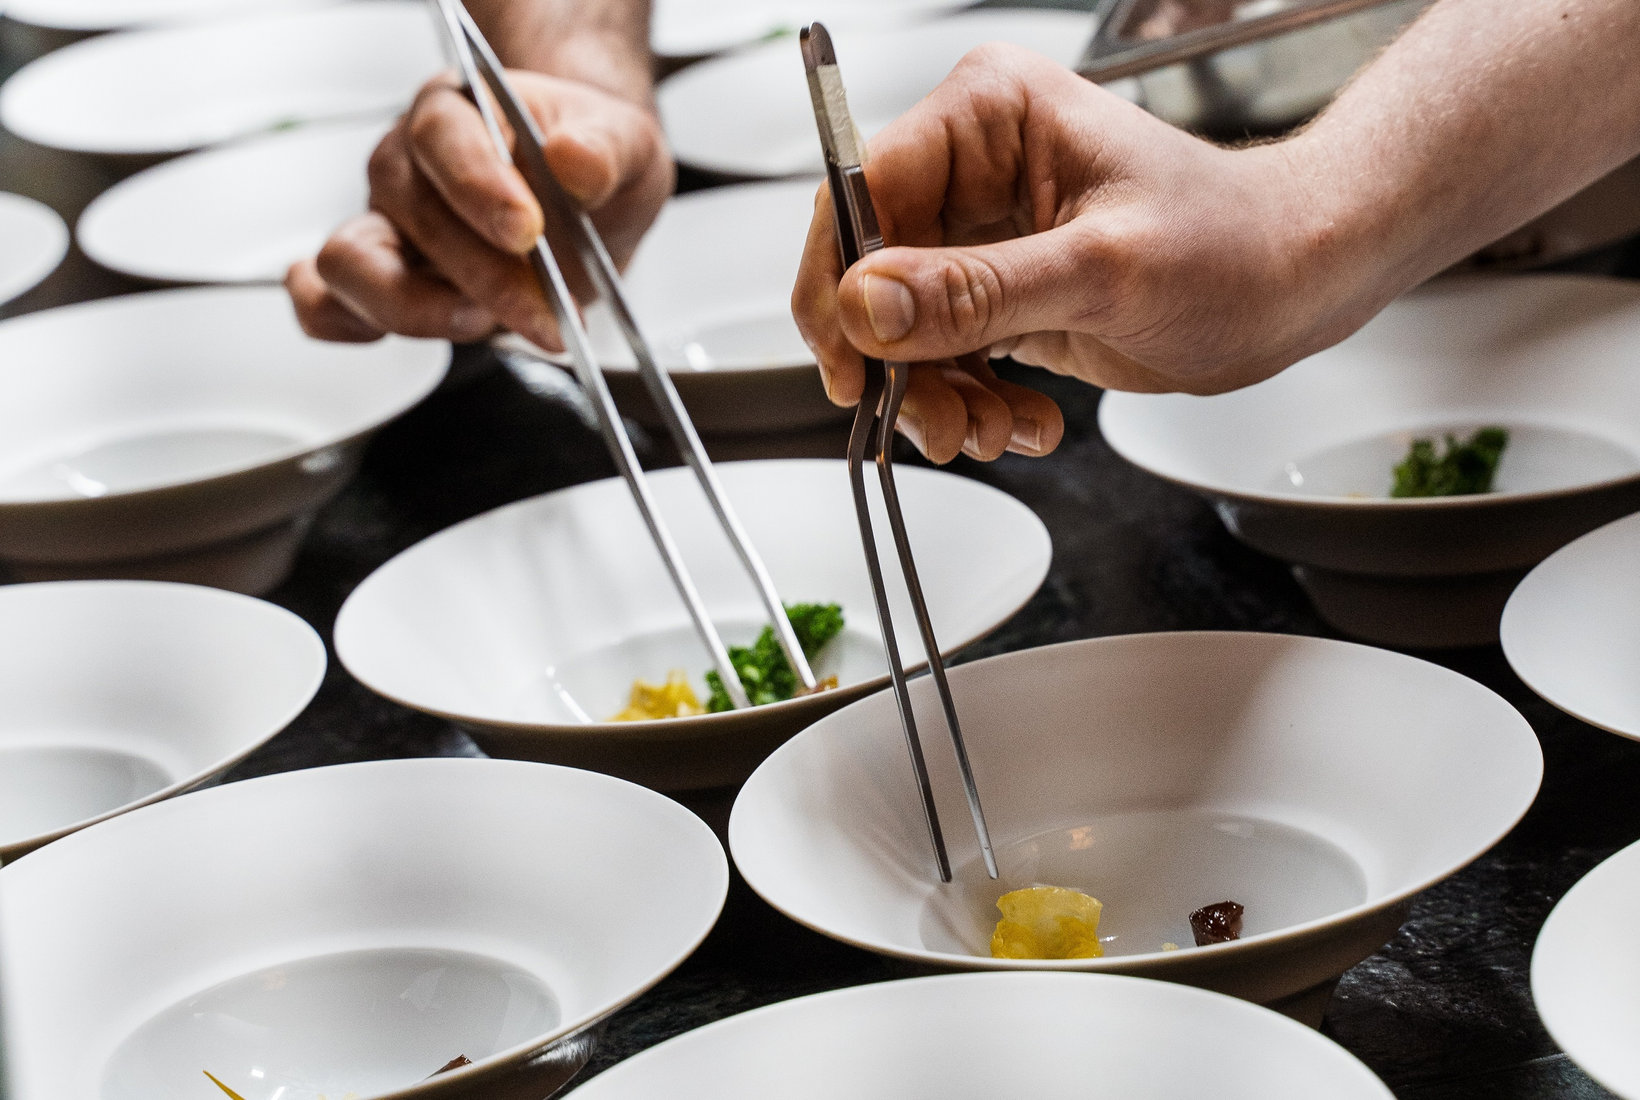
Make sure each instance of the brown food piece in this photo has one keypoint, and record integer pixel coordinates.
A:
(455, 1063)
(1216, 923)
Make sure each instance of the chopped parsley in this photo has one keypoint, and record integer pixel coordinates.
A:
(763, 669)
(1457, 469)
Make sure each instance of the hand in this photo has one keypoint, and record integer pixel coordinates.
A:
(1041, 217)
(441, 252)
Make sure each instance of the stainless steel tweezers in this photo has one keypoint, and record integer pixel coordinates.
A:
(858, 234)
(565, 221)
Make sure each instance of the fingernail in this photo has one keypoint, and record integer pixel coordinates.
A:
(1027, 436)
(825, 379)
(889, 307)
(470, 322)
(514, 229)
(970, 441)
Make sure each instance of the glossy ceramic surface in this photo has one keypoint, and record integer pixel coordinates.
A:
(33, 241)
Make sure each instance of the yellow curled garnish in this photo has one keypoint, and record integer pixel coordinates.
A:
(1047, 922)
(221, 1086)
(673, 699)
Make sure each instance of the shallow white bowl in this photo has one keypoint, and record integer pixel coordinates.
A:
(172, 89)
(1572, 628)
(1549, 357)
(749, 113)
(107, 15)
(711, 286)
(349, 928)
(121, 693)
(1319, 783)
(33, 241)
(993, 1035)
(688, 28)
(529, 623)
(242, 212)
(184, 434)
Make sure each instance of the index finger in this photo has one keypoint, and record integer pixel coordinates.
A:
(814, 306)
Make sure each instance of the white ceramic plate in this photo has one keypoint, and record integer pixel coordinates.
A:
(173, 89)
(749, 113)
(1319, 783)
(107, 15)
(348, 929)
(974, 1036)
(530, 623)
(33, 241)
(242, 212)
(688, 28)
(1582, 973)
(1300, 466)
(1572, 628)
(120, 693)
(184, 434)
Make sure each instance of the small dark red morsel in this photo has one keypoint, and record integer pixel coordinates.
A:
(1216, 923)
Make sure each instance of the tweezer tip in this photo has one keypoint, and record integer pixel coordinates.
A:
(817, 48)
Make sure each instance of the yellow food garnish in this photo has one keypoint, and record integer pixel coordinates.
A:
(1047, 922)
(221, 1086)
(673, 699)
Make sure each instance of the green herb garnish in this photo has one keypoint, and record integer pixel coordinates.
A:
(1460, 468)
(762, 666)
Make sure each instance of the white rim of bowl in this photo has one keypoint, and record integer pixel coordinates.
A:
(41, 265)
(1166, 959)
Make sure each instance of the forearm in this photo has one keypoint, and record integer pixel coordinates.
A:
(604, 43)
(1483, 115)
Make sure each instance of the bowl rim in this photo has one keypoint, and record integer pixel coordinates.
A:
(501, 1060)
(302, 634)
(407, 398)
(698, 726)
(1162, 961)
(35, 267)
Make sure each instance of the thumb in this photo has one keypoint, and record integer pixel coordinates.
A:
(915, 304)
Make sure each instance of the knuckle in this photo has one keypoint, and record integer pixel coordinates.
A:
(974, 296)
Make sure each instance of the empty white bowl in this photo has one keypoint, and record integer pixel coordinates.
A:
(242, 212)
(184, 434)
(1572, 628)
(1321, 784)
(749, 114)
(711, 286)
(33, 241)
(980, 1036)
(687, 28)
(107, 15)
(529, 624)
(171, 89)
(121, 693)
(1300, 466)
(349, 929)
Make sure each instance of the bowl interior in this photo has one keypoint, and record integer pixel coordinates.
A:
(117, 692)
(345, 929)
(543, 613)
(151, 390)
(1547, 357)
(1306, 779)
(1569, 629)
(974, 1035)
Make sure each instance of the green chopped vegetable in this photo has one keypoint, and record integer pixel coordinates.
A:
(762, 666)
(1460, 468)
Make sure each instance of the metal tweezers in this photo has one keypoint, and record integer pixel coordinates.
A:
(486, 80)
(858, 235)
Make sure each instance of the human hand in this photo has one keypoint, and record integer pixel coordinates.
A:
(1038, 216)
(441, 252)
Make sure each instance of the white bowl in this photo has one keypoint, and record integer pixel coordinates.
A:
(33, 241)
(689, 28)
(184, 434)
(1319, 783)
(107, 15)
(711, 286)
(349, 928)
(1572, 628)
(172, 89)
(528, 624)
(242, 212)
(749, 113)
(121, 693)
(983, 1036)
(1550, 357)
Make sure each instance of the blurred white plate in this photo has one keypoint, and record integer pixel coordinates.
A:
(239, 213)
(33, 241)
(749, 113)
(178, 88)
(988, 1036)
(688, 28)
(1572, 628)
(107, 15)
(1583, 973)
